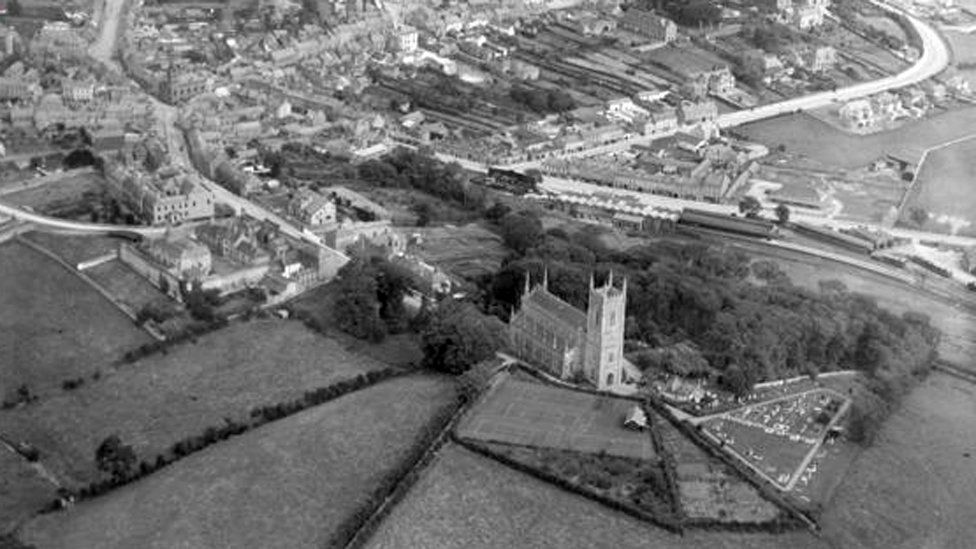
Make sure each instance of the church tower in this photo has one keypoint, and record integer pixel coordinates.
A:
(605, 315)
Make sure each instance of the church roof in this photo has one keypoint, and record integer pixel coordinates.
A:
(540, 298)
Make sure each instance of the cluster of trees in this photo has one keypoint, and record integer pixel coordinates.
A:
(691, 293)
(369, 298)
(458, 336)
(405, 168)
(543, 101)
(690, 13)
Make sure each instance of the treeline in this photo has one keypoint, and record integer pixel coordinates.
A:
(405, 168)
(543, 101)
(746, 332)
(119, 461)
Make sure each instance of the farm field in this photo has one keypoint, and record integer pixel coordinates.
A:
(534, 414)
(915, 487)
(944, 189)
(464, 500)
(47, 331)
(468, 251)
(287, 484)
(75, 248)
(963, 46)
(816, 141)
(22, 489)
(166, 397)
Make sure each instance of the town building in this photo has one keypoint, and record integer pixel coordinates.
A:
(697, 112)
(185, 258)
(820, 58)
(312, 208)
(649, 24)
(571, 344)
(167, 196)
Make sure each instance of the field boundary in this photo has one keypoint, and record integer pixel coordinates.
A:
(94, 285)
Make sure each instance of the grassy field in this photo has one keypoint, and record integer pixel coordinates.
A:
(944, 188)
(56, 196)
(53, 326)
(533, 414)
(288, 484)
(75, 248)
(831, 148)
(163, 398)
(468, 501)
(128, 286)
(915, 487)
(22, 490)
(468, 251)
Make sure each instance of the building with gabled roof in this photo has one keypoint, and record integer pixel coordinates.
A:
(551, 334)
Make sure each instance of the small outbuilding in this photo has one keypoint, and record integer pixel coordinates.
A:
(636, 419)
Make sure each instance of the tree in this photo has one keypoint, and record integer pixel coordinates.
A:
(392, 283)
(919, 216)
(114, 457)
(357, 308)
(521, 230)
(749, 206)
(458, 336)
(423, 212)
(783, 214)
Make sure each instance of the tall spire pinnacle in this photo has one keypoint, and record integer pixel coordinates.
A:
(610, 280)
(624, 290)
(526, 292)
(591, 281)
(545, 278)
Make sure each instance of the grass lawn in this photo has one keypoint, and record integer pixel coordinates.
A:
(817, 141)
(164, 398)
(75, 248)
(57, 196)
(125, 284)
(468, 501)
(534, 414)
(22, 490)
(945, 187)
(915, 487)
(53, 326)
(468, 251)
(288, 484)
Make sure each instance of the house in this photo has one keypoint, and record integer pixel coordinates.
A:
(649, 24)
(820, 58)
(768, 65)
(858, 114)
(312, 208)
(185, 258)
(697, 112)
(636, 418)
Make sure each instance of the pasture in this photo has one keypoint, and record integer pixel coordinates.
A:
(125, 285)
(287, 484)
(75, 248)
(53, 326)
(464, 500)
(534, 414)
(815, 141)
(166, 397)
(914, 487)
(944, 189)
(22, 489)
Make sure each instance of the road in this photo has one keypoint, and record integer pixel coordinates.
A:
(934, 59)
(75, 226)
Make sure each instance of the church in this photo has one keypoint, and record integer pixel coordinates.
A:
(568, 343)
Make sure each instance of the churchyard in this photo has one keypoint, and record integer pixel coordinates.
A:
(531, 413)
(291, 483)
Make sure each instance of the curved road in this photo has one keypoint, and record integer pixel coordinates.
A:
(935, 57)
(77, 226)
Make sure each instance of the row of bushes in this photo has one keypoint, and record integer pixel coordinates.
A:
(795, 518)
(668, 464)
(668, 523)
(396, 483)
(191, 332)
(211, 435)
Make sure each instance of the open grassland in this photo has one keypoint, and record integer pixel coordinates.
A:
(468, 251)
(468, 501)
(54, 194)
(22, 489)
(288, 484)
(53, 326)
(534, 414)
(915, 487)
(75, 248)
(166, 397)
(831, 148)
(944, 188)
(126, 285)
